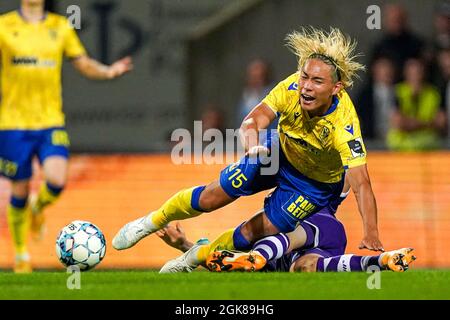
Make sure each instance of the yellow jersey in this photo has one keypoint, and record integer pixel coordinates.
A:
(319, 147)
(31, 63)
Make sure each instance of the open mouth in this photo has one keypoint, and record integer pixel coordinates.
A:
(307, 98)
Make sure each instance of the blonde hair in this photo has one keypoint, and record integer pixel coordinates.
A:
(334, 48)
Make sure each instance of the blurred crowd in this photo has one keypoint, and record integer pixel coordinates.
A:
(404, 103)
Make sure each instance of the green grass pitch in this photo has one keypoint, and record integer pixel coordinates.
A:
(413, 284)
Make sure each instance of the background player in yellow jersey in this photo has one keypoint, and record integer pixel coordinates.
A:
(32, 46)
(320, 141)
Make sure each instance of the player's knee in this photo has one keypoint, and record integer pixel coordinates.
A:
(20, 189)
(55, 171)
(306, 264)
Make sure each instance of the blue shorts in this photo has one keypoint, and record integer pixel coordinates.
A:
(296, 196)
(329, 240)
(18, 147)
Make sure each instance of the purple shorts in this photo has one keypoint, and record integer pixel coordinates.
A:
(329, 240)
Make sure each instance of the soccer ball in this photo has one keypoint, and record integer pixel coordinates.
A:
(82, 244)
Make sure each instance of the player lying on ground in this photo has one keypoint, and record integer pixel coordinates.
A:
(318, 241)
(324, 256)
(320, 142)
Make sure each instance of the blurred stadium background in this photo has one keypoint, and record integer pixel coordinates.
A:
(190, 61)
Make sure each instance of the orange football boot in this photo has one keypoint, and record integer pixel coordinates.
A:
(227, 260)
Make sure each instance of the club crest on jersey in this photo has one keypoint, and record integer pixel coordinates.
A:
(53, 34)
(349, 128)
(293, 86)
(324, 133)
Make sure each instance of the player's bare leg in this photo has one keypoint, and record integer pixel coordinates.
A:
(18, 222)
(55, 178)
(306, 263)
(185, 204)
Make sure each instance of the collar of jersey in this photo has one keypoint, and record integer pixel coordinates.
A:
(331, 109)
(19, 11)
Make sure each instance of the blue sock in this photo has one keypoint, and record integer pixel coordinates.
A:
(18, 203)
(55, 190)
(195, 200)
(239, 242)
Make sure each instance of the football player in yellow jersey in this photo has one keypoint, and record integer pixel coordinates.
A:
(32, 46)
(320, 142)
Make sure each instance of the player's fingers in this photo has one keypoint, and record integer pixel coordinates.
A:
(367, 245)
(258, 150)
(126, 60)
(376, 248)
(376, 245)
(179, 227)
(129, 66)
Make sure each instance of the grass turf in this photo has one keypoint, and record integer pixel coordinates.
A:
(414, 284)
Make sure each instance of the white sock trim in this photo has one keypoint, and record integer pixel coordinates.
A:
(266, 248)
(344, 263)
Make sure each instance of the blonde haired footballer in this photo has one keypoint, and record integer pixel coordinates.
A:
(32, 46)
(320, 143)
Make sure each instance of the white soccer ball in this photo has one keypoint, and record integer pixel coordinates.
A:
(82, 244)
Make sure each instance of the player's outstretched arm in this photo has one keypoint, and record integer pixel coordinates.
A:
(360, 183)
(175, 237)
(259, 118)
(95, 70)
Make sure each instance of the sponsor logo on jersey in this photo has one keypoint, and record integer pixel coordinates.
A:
(25, 60)
(32, 61)
(356, 148)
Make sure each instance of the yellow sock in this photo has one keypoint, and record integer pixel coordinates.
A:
(222, 242)
(18, 221)
(176, 208)
(45, 198)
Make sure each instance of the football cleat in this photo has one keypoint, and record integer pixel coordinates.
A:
(130, 234)
(227, 260)
(398, 260)
(180, 264)
(23, 266)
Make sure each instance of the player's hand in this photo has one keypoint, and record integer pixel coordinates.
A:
(120, 67)
(258, 151)
(173, 236)
(371, 242)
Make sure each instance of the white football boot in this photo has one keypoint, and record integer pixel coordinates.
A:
(132, 233)
(181, 263)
